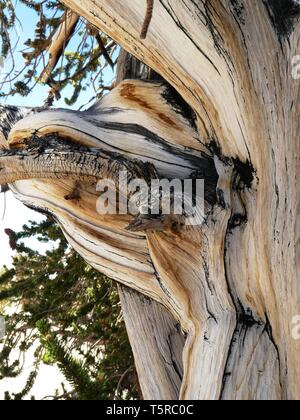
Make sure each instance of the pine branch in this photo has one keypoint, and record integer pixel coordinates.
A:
(104, 51)
(59, 42)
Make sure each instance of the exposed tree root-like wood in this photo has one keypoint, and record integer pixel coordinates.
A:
(232, 282)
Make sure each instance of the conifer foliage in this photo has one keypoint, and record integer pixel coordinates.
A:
(79, 65)
(67, 314)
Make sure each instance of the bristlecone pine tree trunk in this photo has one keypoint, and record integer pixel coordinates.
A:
(209, 308)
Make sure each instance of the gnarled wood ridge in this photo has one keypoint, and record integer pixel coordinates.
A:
(232, 283)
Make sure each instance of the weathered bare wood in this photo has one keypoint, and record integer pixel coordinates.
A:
(156, 338)
(59, 42)
(55, 158)
(117, 119)
(157, 343)
(148, 17)
(232, 282)
(239, 83)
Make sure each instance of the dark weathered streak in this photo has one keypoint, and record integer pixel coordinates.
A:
(284, 14)
(4, 188)
(52, 157)
(9, 116)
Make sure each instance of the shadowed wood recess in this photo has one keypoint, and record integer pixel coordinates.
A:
(220, 297)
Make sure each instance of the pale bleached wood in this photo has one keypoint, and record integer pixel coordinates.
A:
(125, 258)
(157, 344)
(156, 338)
(239, 83)
(59, 42)
(232, 283)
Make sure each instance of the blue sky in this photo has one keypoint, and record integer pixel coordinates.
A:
(24, 30)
